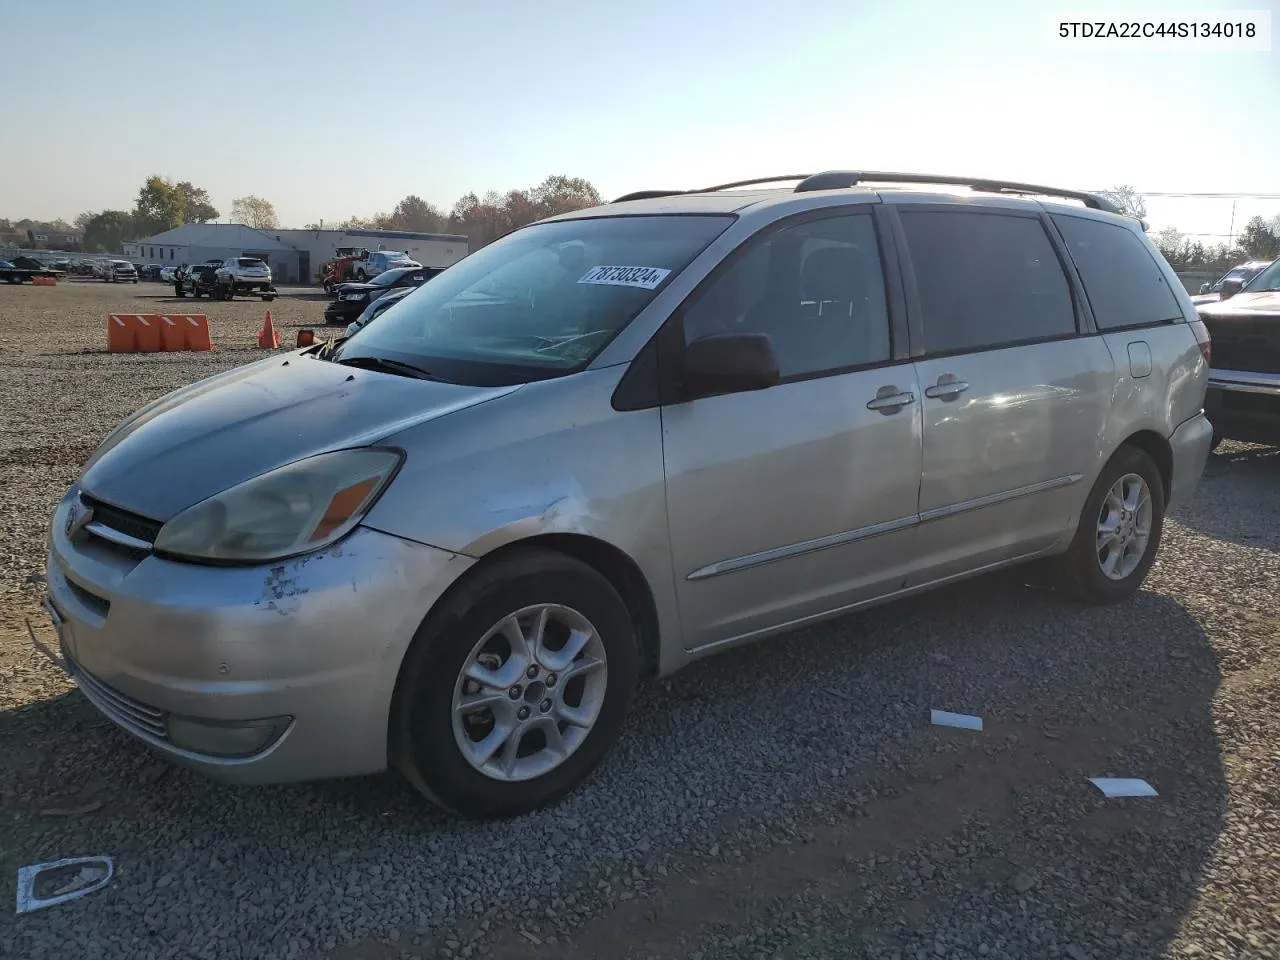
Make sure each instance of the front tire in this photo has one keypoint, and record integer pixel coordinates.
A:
(1119, 532)
(515, 688)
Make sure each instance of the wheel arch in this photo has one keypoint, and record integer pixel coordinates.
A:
(1157, 447)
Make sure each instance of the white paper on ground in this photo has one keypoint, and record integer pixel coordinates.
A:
(1123, 787)
(94, 873)
(964, 721)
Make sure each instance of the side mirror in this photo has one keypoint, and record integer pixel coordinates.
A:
(1204, 288)
(1230, 288)
(729, 363)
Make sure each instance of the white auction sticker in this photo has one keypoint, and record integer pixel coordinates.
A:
(646, 277)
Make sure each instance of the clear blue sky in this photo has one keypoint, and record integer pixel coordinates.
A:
(330, 109)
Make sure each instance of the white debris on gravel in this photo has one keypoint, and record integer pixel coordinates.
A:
(962, 721)
(1123, 787)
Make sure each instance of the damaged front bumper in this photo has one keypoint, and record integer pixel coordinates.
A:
(255, 674)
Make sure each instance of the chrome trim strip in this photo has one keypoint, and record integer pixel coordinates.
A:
(799, 549)
(99, 529)
(877, 529)
(991, 499)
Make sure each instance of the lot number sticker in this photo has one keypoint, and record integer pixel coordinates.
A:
(645, 277)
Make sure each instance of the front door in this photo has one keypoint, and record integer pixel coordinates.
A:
(1014, 397)
(789, 502)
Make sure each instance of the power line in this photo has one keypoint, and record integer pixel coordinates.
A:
(1214, 196)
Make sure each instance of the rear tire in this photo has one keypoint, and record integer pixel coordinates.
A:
(429, 730)
(1128, 498)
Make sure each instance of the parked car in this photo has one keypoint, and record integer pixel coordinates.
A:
(166, 274)
(1243, 272)
(614, 442)
(198, 280)
(22, 268)
(377, 308)
(1243, 397)
(151, 271)
(354, 297)
(379, 261)
(246, 275)
(119, 271)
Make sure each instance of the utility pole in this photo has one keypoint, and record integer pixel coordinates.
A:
(1231, 230)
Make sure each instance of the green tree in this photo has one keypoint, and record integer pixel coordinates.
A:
(158, 207)
(196, 207)
(414, 213)
(1259, 241)
(107, 231)
(255, 212)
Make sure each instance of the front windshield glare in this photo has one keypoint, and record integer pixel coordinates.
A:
(541, 301)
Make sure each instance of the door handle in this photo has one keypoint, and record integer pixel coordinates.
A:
(890, 400)
(946, 387)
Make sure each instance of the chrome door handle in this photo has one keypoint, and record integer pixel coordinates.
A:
(946, 389)
(891, 400)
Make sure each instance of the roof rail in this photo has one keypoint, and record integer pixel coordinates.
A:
(840, 179)
(752, 183)
(647, 195)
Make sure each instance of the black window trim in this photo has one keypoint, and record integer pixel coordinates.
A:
(1082, 315)
(1084, 294)
(653, 376)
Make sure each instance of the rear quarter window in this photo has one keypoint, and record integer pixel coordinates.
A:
(1123, 281)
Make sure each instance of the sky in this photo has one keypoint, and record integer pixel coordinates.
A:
(334, 109)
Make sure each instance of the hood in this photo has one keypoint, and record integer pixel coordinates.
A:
(1200, 298)
(357, 287)
(1263, 301)
(208, 437)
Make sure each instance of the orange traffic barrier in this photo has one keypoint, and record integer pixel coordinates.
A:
(45, 281)
(268, 336)
(152, 332)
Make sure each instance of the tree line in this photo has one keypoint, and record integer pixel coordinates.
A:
(1259, 240)
(482, 219)
(163, 204)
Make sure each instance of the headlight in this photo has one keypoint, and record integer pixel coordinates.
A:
(297, 508)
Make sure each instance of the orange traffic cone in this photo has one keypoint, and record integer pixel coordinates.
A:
(268, 336)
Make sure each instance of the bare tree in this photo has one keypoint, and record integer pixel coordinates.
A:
(255, 212)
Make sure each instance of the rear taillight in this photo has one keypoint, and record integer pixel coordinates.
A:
(1202, 339)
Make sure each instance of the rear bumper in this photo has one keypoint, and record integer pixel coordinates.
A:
(1190, 444)
(1244, 405)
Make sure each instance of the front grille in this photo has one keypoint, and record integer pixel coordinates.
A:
(99, 605)
(1246, 343)
(1241, 402)
(124, 710)
(130, 524)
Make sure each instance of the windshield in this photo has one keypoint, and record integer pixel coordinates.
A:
(1268, 279)
(540, 302)
(247, 262)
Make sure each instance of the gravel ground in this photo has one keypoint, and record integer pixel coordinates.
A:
(784, 800)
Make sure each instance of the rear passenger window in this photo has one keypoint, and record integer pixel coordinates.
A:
(986, 280)
(815, 288)
(1123, 282)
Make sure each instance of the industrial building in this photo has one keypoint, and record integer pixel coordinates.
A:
(293, 255)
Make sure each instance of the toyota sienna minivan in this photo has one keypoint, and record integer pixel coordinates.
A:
(616, 441)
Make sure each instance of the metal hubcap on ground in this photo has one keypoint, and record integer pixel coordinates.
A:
(529, 692)
(1124, 526)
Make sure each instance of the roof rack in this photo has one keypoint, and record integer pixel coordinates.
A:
(842, 179)
(647, 195)
(650, 194)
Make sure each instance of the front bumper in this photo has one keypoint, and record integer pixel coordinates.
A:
(312, 645)
(1244, 405)
(344, 311)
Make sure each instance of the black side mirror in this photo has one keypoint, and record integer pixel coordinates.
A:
(729, 363)
(1230, 288)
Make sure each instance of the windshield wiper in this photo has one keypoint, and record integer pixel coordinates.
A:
(387, 365)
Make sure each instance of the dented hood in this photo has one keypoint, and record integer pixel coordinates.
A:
(214, 434)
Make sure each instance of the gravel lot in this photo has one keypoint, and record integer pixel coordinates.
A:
(785, 800)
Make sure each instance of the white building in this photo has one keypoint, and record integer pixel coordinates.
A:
(293, 255)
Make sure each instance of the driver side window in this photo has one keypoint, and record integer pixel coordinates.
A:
(816, 289)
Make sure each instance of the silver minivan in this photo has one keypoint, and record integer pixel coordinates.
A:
(611, 443)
